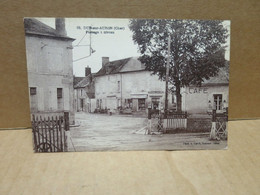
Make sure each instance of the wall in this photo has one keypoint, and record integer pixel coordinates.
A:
(196, 99)
(50, 67)
(133, 85)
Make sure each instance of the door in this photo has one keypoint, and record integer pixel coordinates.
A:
(155, 103)
(141, 104)
(81, 104)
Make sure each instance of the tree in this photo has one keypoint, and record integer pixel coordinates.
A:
(196, 47)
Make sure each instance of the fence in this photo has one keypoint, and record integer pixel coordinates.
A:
(49, 133)
(219, 125)
(167, 123)
(175, 121)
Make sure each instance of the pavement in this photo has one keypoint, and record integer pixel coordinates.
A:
(101, 132)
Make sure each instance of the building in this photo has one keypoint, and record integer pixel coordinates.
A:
(212, 94)
(49, 64)
(126, 85)
(84, 91)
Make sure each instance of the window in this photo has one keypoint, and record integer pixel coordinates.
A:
(32, 90)
(33, 99)
(100, 102)
(118, 86)
(155, 103)
(141, 104)
(97, 103)
(59, 99)
(217, 101)
(128, 103)
(59, 92)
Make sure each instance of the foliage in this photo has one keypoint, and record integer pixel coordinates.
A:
(196, 47)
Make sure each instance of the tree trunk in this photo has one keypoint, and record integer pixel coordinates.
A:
(178, 96)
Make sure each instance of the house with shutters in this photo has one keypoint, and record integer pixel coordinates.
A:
(49, 65)
(126, 85)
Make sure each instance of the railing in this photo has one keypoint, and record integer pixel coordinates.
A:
(175, 121)
(167, 122)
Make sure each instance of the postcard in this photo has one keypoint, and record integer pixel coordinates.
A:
(107, 84)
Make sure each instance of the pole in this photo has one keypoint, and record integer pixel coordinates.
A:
(167, 77)
(90, 49)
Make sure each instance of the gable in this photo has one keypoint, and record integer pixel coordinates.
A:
(132, 65)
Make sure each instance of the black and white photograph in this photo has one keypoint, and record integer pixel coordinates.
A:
(107, 84)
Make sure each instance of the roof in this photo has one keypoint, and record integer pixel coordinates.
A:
(221, 78)
(119, 66)
(90, 95)
(76, 80)
(35, 27)
(133, 64)
(83, 82)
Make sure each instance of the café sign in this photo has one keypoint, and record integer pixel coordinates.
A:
(196, 90)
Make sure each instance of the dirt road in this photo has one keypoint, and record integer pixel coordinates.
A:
(99, 132)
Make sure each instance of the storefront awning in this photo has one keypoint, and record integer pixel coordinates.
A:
(138, 96)
(155, 95)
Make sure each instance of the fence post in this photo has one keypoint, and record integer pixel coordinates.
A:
(227, 113)
(213, 127)
(34, 133)
(185, 119)
(67, 132)
(149, 128)
(149, 113)
(66, 121)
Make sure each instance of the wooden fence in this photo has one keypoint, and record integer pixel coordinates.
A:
(49, 133)
(167, 123)
(175, 121)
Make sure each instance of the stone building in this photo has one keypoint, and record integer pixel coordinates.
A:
(212, 94)
(84, 91)
(49, 64)
(126, 85)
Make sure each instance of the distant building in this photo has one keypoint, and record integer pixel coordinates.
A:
(84, 91)
(49, 64)
(212, 94)
(125, 84)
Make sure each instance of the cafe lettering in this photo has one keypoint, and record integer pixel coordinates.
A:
(203, 99)
(202, 90)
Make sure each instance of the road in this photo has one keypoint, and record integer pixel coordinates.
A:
(101, 132)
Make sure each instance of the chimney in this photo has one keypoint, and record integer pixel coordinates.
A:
(87, 71)
(60, 26)
(105, 60)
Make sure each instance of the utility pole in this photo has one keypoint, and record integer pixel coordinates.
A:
(167, 76)
(90, 46)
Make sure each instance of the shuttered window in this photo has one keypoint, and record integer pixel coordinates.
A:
(33, 91)
(59, 92)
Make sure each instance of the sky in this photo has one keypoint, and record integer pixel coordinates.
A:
(118, 45)
(109, 38)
